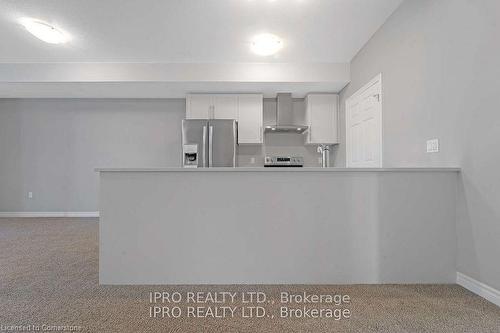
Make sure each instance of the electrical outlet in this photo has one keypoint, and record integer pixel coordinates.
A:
(30, 195)
(433, 146)
(252, 160)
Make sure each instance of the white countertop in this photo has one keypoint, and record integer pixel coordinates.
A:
(262, 169)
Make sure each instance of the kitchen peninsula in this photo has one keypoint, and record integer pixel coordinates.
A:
(277, 226)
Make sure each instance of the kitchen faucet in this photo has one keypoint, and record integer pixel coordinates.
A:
(324, 150)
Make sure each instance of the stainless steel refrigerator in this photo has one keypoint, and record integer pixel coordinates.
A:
(209, 143)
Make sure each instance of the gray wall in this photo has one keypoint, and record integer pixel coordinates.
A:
(51, 147)
(440, 65)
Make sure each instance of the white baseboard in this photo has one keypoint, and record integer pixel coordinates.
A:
(49, 214)
(479, 288)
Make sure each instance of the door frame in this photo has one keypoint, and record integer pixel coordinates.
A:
(376, 80)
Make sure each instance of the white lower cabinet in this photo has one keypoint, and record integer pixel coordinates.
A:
(247, 109)
(322, 118)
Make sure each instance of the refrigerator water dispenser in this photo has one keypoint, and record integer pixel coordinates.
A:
(190, 153)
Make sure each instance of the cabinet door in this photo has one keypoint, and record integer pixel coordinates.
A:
(322, 118)
(198, 106)
(250, 113)
(225, 107)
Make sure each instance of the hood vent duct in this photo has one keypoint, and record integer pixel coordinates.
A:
(284, 117)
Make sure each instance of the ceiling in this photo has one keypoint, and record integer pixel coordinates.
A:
(191, 31)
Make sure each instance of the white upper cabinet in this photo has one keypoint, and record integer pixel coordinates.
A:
(322, 118)
(247, 109)
(225, 107)
(199, 106)
(250, 114)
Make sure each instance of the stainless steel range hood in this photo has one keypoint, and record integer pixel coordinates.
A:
(284, 117)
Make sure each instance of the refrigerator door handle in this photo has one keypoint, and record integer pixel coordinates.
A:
(235, 136)
(210, 145)
(204, 149)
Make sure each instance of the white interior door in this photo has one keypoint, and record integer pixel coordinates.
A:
(364, 126)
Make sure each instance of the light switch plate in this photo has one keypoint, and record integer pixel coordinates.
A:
(433, 146)
(30, 195)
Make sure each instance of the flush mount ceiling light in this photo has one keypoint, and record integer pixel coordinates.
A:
(266, 44)
(44, 31)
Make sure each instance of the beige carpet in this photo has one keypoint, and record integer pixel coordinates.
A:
(49, 276)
